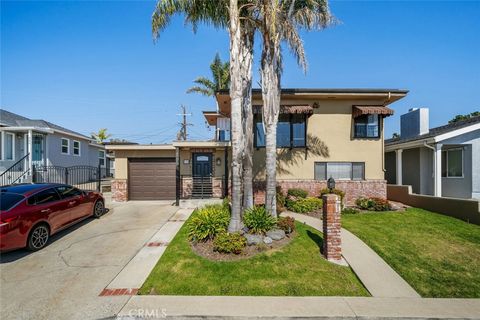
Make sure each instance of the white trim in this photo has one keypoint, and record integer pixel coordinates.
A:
(140, 147)
(104, 157)
(13, 146)
(399, 163)
(437, 175)
(2, 146)
(68, 146)
(457, 132)
(79, 148)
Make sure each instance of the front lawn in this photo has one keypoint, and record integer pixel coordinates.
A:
(297, 269)
(438, 256)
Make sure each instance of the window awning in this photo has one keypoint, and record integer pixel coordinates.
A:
(300, 109)
(362, 110)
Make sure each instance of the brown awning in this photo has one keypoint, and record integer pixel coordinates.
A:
(381, 110)
(303, 109)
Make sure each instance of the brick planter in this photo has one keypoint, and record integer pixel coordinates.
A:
(120, 190)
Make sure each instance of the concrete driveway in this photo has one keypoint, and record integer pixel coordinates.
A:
(64, 280)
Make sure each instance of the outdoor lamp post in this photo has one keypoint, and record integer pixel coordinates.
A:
(331, 184)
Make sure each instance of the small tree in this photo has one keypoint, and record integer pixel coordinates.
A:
(101, 135)
(462, 117)
(220, 79)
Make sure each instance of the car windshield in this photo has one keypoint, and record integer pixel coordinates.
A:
(8, 200)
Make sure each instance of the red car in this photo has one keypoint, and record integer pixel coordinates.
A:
(31, 213)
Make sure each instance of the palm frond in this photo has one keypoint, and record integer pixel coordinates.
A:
(203, 91)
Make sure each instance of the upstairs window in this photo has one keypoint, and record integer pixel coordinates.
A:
(367, 126)
(291, 131)
(65, 146)
(76, 147)
(340, 170)
(452, 163)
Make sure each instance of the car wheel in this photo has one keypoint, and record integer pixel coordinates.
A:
(38, 237)
(98, 209)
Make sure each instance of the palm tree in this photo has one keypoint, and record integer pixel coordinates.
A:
(223, 14)
(220, 79)
(101, 135)
(281, 21)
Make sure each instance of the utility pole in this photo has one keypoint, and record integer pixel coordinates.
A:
(182, 134)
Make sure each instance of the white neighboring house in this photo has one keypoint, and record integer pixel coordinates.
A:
(26, 143)
(442, 161)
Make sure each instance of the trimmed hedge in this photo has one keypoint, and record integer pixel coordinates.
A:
(304, 205)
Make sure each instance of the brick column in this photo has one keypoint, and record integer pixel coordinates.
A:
(119, 190)
(332, 242)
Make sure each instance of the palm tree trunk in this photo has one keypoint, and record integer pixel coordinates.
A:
(271, 108)
(247, 48)
(236, 116)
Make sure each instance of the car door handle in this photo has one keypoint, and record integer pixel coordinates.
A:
(45, 210)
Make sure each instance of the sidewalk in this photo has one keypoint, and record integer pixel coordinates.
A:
(376, 275)
(200, 307)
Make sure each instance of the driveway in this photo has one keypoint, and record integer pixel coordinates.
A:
(64, 280)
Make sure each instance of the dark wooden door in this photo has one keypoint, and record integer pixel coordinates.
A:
(152, 179)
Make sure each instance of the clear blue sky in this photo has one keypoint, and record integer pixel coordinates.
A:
(88, 65)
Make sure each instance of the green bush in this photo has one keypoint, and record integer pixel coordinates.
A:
(338, 192)
(226, 203)
(287, 224)
(207, 222)
(229, 243)
(373, 204)
(350, 210)
(298, 193)
(304, 205)
(280, 199)
(258, 220)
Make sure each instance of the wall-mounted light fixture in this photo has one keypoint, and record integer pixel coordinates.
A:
(219, 162)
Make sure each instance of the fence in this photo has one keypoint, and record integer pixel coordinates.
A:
(82, 177)
(464, 209)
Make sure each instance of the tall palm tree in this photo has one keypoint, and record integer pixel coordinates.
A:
(220, 79)
(224, 14)
(281, 21)
(101, 135)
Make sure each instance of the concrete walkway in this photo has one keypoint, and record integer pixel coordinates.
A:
(133, 275)
(376, 275)
(204, 307)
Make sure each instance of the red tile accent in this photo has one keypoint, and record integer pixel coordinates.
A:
(157, 244)
(119, 292)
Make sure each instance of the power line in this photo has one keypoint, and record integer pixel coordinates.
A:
(182, 134)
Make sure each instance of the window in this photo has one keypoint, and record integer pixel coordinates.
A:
(452, 163)
(68, 191)
(76, 147)
(367, 126)
(290, 131)
(43, 197)
(9, 200)
(9, 146)
(340, 170)
(101, 157)
(65, 146)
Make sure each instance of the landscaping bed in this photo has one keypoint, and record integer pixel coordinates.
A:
(438, 256)
(295, 269)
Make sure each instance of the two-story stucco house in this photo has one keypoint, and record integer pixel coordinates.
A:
(25, 143)
(321, 133)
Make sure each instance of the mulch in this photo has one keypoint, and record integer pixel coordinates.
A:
(205, 249)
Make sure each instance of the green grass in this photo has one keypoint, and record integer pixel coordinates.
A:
(297, 269)
(437, 255)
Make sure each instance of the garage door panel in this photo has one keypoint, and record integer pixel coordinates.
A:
(152, 179)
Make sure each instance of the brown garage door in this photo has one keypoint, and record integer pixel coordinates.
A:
(151, 179)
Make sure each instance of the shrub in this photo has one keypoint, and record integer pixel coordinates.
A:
(207, 222)
(226, 203)
(350, 210)
(338, 192)
(373, 204)
(297, 193)
(287, 224)
(304, 205)
(258, 220)
(229, 243)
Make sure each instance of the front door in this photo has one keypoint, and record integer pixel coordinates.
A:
(38, 150)
(202, 165)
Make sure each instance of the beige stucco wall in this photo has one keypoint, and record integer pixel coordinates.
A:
(121, 159)
(332, 123)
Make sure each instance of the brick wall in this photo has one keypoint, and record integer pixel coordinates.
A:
(120, 190)
(353, 189)
(187, 185)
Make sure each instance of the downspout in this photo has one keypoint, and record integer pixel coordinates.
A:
(425, 144)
